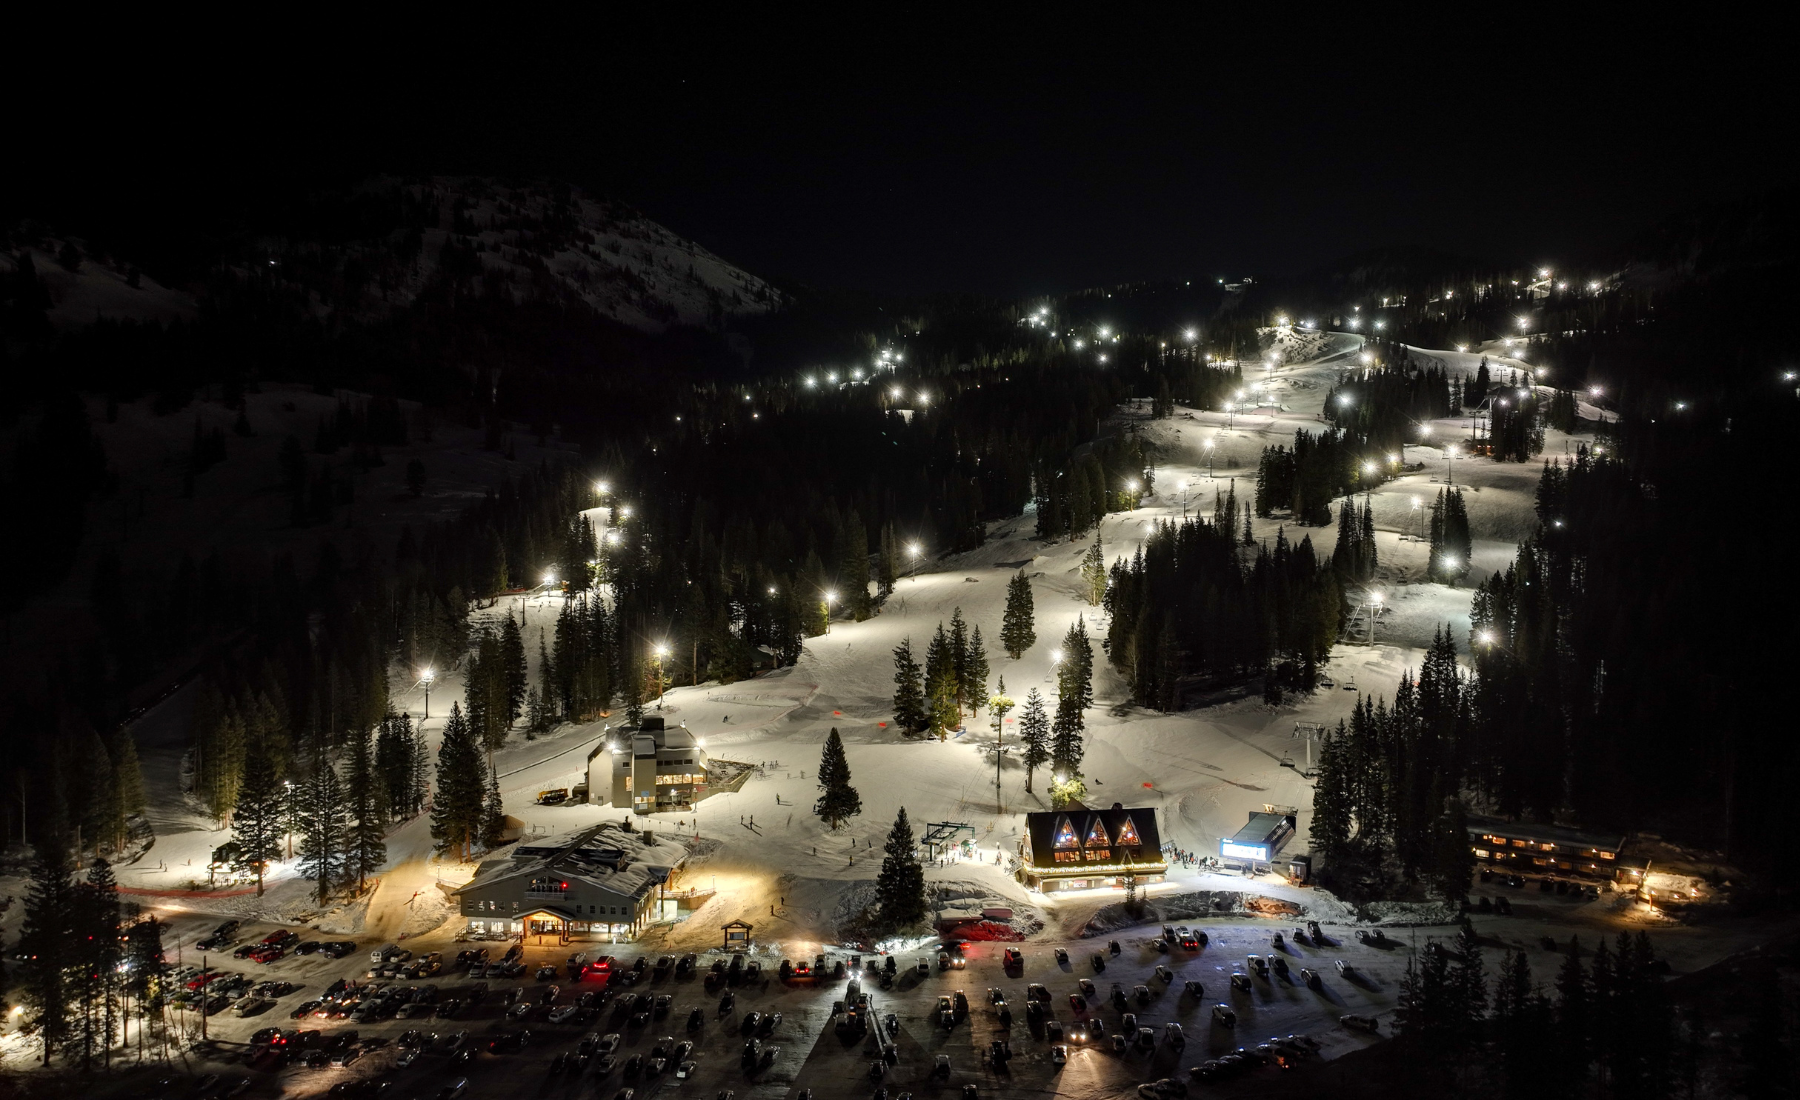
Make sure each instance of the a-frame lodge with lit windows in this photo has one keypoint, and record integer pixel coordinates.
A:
(1079, 849)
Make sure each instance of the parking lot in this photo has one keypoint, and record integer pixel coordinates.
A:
(810, 1050)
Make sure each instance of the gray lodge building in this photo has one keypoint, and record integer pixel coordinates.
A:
(603, 883)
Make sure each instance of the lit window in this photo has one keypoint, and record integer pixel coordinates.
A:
(1097, 834)
(1099, 853)
(1065, 835)
(1128, 834)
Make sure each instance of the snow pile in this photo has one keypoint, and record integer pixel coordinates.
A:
(1203, 903)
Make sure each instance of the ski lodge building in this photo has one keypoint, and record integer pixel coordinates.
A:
(647, 768)
(1525, 848)
(606, 883)
(1079, 849)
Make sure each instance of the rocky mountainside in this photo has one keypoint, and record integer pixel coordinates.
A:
(390, 241)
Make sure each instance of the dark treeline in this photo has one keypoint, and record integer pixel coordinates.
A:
(1188, 604)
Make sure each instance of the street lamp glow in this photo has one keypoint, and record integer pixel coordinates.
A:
(1368, 467)
(896, 393)
(625, 512)
(1366, 357)
(771, 590)
(1486, 637)
(1188, 335)
(1343, 399)
(662, 651)
(831, 377)
(924, 399)
(1425, 429)
(612, 537)
(1393, 458)
(1209, 444)
(1105, 332)
(811, 382)
(1078, 345)
(602, 488)
(549, 578)
(427, 676)
(1132, 485)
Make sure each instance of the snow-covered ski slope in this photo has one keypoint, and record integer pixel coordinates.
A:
(1203, 769)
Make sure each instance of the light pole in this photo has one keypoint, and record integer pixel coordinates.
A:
(425, 678)
(913, 571)
(1209, 459)
(830, 598)
(1368, 483)
(1055, 663)
(662, 651)
(1418, 506)
(1449, 464)
(1184, 489)
(1374, 609)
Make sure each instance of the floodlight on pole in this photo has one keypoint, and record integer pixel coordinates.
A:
(425, 679)
(662, 652)
(830, 598)
(912, 551)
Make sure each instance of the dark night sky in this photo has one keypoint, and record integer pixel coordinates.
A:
(1043, 165)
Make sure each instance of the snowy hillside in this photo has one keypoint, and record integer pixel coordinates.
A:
(535, 241)
(83, 288)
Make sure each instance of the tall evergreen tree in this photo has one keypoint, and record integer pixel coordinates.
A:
(975, 672)
(1016, 629)
(909, 690)
(1075, 675)
(456, 810)
(900, 885)
(493, 811)
(96, 963)
(512, 658)
(1331, 818)
(257, 820)
(366, 835)
(1093, 573)
(1034, 734)
(887, 567)
(47, 942)
(839, 800)
(959, 659)
(324, 821)
(1066, 747)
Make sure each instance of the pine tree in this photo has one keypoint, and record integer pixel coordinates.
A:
(941, 712)
(887, 570)
(512, 657)
(457, 808)
(493, 812)
(1093, 573)
(256, 821)
(96, 960)
(1016, 629)
(853, 568)
(1066, 747)
(366, 836)
(1331, 819)
(909, 691)
(324, 822)
(959, 659)
(47, 943)
(1034, 733)
(975, 672)
(1075, 675)
(839, 800)
(900, 885)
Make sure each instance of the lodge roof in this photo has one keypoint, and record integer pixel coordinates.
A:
(1123, 831)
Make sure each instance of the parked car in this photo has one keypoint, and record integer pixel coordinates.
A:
(1224, 1016)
